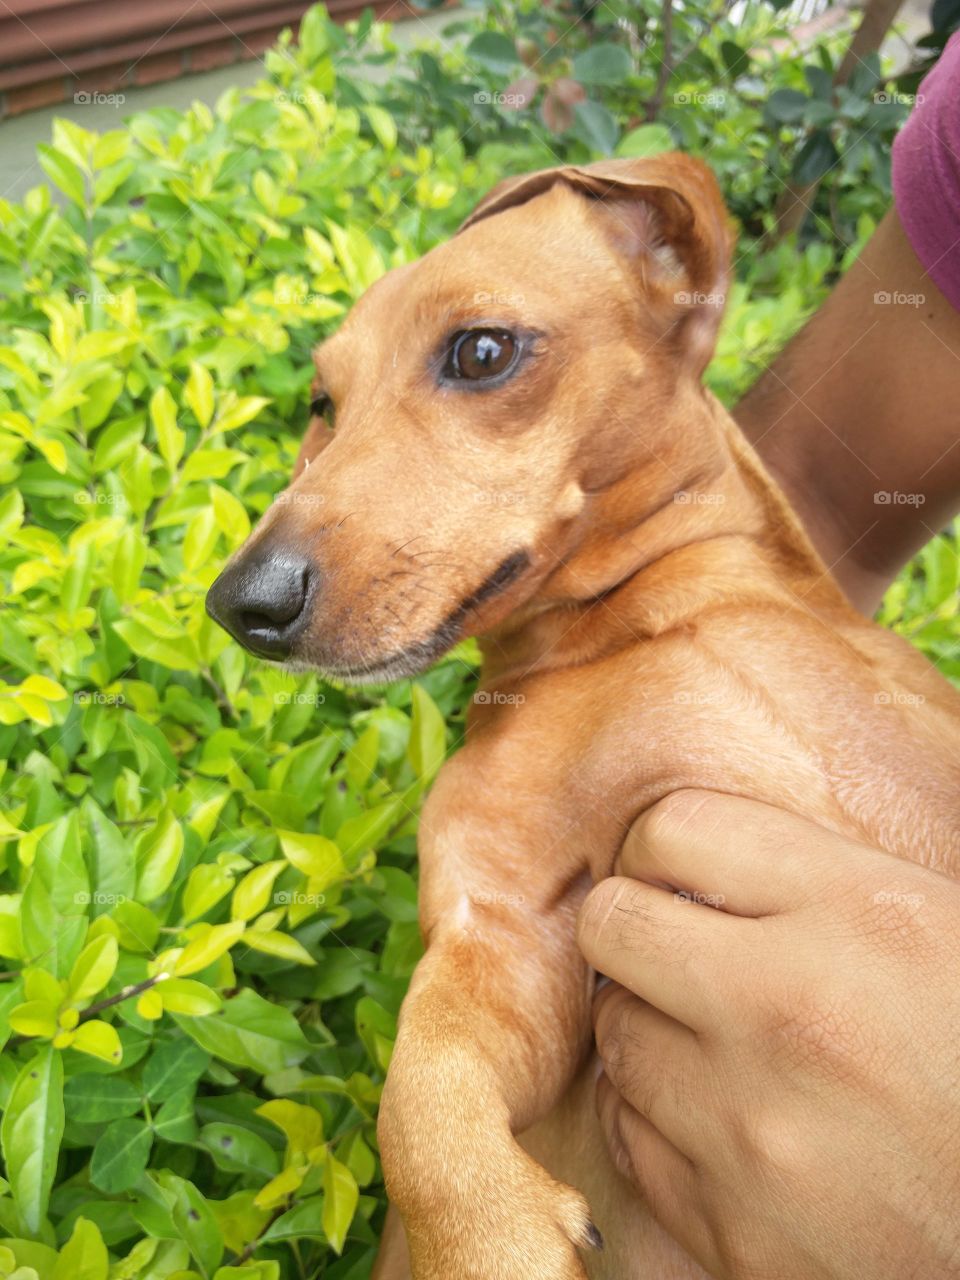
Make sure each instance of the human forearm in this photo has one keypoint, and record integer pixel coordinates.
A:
(863, 403)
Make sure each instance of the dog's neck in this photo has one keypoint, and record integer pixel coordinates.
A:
(657, 552)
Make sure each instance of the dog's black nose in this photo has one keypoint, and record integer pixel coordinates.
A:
(262, 599)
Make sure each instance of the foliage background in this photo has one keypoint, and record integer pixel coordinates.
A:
(208, 906)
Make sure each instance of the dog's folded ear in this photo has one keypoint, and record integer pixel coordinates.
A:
(666, 214)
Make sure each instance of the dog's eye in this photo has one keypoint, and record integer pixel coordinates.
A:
(482, 353)
(321, 406)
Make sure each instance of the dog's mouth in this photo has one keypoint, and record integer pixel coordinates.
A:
(421, 654)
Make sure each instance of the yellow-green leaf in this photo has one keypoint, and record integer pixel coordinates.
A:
(207, 884)
(199, 393)
(340, 1196)
(302, 1125)
(273, 943)
(278, 1189)
(428, 737)
(99, 1039)
(34, 1018)
(252, 894)
(180, 995)
(84, 1256)
(314, 855)
(163, 415)
(160, 857)
(207, 948)
(93, 969)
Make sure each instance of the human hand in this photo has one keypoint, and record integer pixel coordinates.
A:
(782, 1076)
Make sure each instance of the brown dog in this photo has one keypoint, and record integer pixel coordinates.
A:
(523, 450)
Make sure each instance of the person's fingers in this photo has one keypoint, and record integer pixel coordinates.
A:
(743, 856)
(654, 1062)
(662, 948)
(664, 1176)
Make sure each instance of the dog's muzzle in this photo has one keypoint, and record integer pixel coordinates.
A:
(264, 599)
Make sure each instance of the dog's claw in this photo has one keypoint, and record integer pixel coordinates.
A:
(594, 1238)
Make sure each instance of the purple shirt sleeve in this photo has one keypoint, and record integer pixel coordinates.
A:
(926, 173)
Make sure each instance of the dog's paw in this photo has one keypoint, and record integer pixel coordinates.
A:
(514, 1223)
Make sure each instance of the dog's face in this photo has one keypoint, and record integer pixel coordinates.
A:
(469, 412)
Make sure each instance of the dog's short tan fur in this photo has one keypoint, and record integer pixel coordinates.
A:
(673, 629)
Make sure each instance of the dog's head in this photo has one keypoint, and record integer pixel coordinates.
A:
(472, 409)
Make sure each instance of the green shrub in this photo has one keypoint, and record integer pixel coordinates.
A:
(208, 906)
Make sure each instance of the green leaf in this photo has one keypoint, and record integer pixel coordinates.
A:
(63, 172)
(31, 1132)
(194, 1220)
(198, 393)
(316, 856)
(494, 50)
(340, 1197)
(736, 59)
(238, 1150)
(159, 857)
(181, 995)
(208, 947)
(171, 1066)
(93, 969)
(428, 736)
(815, 158)
(120, 1155)
(303, 1222)
(99, 1039)
(84, 1256)
(646, 140)
(787, 106)
(95, 1099)
(163, 415)
(56, 899)
(603, 64)
(206, 885)
(383, 126)
(254, 892)
(594, 124)
(250, 1032)
(175, 1121)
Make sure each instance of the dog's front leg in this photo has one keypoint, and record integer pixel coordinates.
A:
(491, 1031)
(484, 1050)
